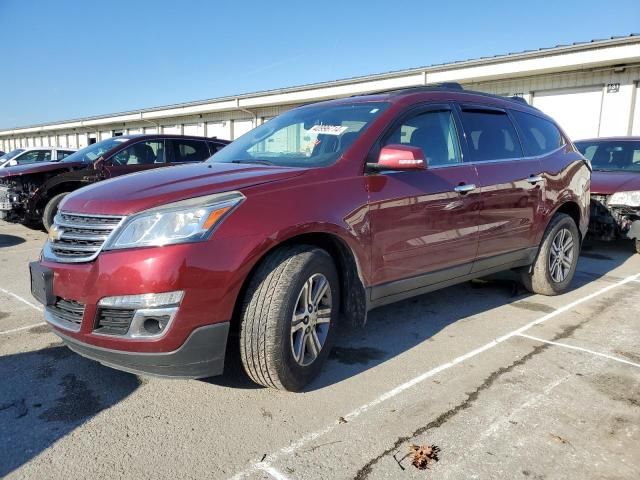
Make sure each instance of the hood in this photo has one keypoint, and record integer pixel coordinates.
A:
(19, 170)
(608, 183)
(140, 191)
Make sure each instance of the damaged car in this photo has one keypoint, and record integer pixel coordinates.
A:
(615, 187)
(30, 194)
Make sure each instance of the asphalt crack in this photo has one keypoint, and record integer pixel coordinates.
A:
(599, 308)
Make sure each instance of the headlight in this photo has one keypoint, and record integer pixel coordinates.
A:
(627, 199)
(190, 220)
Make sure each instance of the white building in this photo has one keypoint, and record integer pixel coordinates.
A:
(592, 89)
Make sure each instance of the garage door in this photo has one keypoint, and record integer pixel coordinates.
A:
(576, 110)
(219, 130)
(240, 127)
(196, 129)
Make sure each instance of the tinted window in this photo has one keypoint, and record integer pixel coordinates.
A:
(63, 153)
(539, 136)
(34, 156)
(612, 155)
(490, 135)
(141, 153)
(215, 147)
(434, 132)
(189, 151)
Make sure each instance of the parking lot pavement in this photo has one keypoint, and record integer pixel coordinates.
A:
(508, 385)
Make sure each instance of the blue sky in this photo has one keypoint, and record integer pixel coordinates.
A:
(70, 58)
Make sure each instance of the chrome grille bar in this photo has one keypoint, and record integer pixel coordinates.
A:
(77, 237)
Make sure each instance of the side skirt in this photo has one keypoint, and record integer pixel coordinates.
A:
(402, 289)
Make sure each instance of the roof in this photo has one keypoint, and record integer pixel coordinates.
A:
(437, 67)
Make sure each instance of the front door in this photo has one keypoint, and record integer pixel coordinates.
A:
(423, 222)
(139, 156)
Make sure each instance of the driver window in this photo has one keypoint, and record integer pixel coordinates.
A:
(142, 153)
(434, 132)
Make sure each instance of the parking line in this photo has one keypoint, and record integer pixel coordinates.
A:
(26, 302)
(426, 375)
(28, 327)
(20, 299)
(278, 475)
(572, 347)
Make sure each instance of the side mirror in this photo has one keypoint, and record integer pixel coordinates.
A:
(12, 163)
(400, 157)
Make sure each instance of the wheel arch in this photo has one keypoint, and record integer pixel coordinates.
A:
(571, 208)
(353, 305)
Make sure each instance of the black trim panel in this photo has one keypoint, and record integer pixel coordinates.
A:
(411, 287)
(201, 355)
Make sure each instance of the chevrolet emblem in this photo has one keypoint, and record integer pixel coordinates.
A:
(55, 233)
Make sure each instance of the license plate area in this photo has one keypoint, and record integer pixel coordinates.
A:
(42, 284)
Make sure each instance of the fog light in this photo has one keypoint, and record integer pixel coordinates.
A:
(152, 325)
(145, 300)
(153, 312)
(151, 322)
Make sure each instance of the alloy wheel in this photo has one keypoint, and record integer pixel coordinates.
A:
(311, 320)
(562, 255)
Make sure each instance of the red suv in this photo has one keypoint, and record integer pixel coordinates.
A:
(313, 218)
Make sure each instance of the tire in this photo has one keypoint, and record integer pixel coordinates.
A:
(541, 277)
(51, 209)
(637, 245)
(268, 345)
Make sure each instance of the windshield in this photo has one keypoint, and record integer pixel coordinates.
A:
(95, 151)
(612, 155)
(11, 154)
(310, 136)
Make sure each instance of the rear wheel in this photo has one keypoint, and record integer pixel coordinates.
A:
(557, 258)
(51, 209)
(289, 317)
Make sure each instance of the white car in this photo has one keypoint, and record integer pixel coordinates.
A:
(25, 156)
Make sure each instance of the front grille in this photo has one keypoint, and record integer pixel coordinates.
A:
(79, 237)
(67, 311)
(113, 321)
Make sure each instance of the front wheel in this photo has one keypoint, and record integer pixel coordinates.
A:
(557, 258)
(51, 209)
(289, 317)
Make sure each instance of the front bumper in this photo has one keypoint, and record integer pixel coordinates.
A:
(202, 355)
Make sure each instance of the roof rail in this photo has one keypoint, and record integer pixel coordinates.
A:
(417, 88)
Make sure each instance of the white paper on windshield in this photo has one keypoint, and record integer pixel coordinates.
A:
(328, 129)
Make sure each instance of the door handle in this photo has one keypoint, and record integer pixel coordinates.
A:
(464, 188)
(533, 179)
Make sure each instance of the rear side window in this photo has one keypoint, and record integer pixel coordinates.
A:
(189, 151)
(63, 153)
(490, 135)
(539, 136)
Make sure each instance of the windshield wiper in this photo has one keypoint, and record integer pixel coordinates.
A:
(252, 160)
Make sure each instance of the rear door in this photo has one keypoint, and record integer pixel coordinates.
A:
(140, 156)
(422, 222)
(511, 185)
